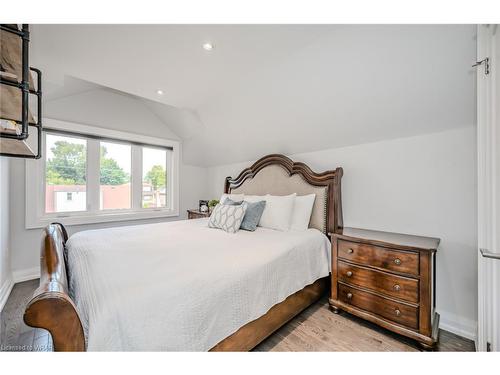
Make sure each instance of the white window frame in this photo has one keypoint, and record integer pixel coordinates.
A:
(36, 217)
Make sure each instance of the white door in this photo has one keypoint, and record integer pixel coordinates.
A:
(488, 149)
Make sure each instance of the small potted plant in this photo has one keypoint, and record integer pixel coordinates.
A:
(212, 204)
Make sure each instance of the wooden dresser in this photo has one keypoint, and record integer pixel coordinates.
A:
(197, 214)
(388, 279)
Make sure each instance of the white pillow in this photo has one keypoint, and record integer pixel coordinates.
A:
(278, 212)
(233, 197)
(302, 211)
(227, 218)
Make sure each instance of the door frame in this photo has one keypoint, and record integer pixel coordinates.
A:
(488, 179)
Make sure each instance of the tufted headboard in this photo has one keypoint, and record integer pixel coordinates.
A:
(278, 175)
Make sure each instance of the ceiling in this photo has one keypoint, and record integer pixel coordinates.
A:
(271, 88)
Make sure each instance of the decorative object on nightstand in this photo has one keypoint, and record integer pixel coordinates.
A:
(203, 206)
(197, 214)
(388, 279)
(212, 204)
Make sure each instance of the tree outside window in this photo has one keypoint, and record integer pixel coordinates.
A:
(67, 166)
(158, 179)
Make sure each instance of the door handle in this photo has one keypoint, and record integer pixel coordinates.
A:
(488, 254)
(486, 63)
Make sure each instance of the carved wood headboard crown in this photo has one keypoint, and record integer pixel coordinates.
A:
(329, 180)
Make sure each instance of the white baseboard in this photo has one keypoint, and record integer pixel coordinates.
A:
(26, 274)
(17, 277)
(5, 290)
(458, 325)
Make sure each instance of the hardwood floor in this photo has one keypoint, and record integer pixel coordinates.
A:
(319, 329)
(14, 334)
(315, 329)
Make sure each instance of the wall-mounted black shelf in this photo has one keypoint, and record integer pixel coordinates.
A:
(24, 87)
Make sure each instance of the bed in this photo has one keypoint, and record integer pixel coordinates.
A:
(181, 286)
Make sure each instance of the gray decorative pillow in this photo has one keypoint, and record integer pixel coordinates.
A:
(253, 215)
(227, 218)
(230, 202)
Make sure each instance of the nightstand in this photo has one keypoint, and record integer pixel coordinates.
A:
(387, 279)
(197, 214)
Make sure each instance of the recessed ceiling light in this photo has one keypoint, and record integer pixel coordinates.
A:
(159, 92)
(208, 46)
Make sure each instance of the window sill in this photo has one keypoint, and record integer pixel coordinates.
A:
(79, 219)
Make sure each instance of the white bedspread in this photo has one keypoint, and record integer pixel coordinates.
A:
(181, 286)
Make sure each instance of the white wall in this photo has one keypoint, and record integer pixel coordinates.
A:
(106, 109)
(5, 274)
(110, 109)
(423, 185)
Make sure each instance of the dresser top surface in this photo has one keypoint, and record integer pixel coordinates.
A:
(398, 239)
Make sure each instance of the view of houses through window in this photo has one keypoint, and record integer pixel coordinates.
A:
(115, 165)
(66, 175)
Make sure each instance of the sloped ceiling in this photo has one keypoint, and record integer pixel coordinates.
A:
(98, 106)
(272, 88)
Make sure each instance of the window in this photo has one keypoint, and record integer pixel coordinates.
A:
(115, 164)
(154, 178)
(90, 175)
(65, 173)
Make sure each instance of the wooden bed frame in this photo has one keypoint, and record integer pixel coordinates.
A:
(51, 307)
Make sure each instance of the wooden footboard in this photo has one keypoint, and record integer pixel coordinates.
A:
(253, 333)
(51, 308)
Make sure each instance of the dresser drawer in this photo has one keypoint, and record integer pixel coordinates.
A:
(392, 285)
(396, 312)
(392, 260)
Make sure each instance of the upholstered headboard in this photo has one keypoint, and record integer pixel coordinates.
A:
(278, 175)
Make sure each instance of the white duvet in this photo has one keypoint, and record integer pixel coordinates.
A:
(181, 286)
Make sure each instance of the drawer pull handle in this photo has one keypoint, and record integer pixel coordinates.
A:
(349, 295)
(350, 251)
(397, 288)
(349, 273)
(397, 312)
(397, 261)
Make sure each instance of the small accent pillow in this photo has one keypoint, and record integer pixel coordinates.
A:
(227, 218)
(252, 215)
(234, 197)
(302, 210)
(278, 212)
(230, 202)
